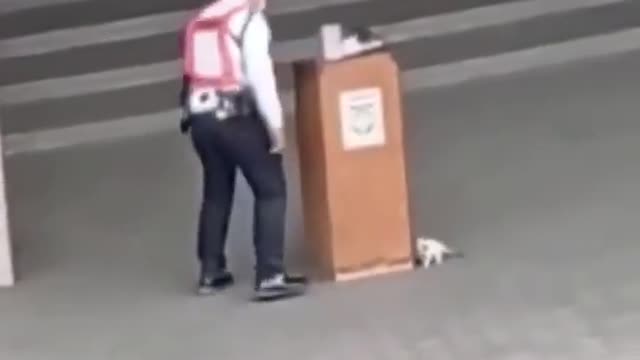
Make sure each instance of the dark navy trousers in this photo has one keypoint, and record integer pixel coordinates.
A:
(239, 143)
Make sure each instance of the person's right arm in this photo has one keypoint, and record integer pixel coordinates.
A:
(261, 77)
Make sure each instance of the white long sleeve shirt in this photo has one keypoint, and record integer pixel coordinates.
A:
(258, 65)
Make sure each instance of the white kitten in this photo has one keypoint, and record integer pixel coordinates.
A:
(432, 251)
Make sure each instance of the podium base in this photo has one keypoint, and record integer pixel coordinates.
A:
(382, 269)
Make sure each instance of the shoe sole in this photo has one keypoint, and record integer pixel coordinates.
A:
(205, 291)
(280, 294)
(212, 290)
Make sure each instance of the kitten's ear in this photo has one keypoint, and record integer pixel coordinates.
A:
(363, 33)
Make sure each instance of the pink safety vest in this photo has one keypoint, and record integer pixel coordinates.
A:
(209, 37)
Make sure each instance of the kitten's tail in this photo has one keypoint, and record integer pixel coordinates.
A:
(454, 254)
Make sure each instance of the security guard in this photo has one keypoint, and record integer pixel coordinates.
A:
(233, 112)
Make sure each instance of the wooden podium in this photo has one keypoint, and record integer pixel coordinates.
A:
(352, 166)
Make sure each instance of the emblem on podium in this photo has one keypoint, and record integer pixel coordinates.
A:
(362, 120)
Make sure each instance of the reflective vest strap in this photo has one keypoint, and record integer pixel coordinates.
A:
(228, 78)
(187, 45)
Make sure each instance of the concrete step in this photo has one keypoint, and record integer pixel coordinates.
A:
(419, 51)
(91, 12)
(136, 74)
(155, 37)
(65, 15)
(486, 41)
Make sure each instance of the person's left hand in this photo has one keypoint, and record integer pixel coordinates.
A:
(185, 123)
(278, 141)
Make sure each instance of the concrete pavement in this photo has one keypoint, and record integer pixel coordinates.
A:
(533, 175)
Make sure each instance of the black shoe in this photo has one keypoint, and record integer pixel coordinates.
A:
(210, 283)
(280, 287)
(296, 279)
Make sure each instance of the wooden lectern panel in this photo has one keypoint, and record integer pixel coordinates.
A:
(354, 191)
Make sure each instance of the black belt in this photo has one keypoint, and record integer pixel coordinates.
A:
(230, 105)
